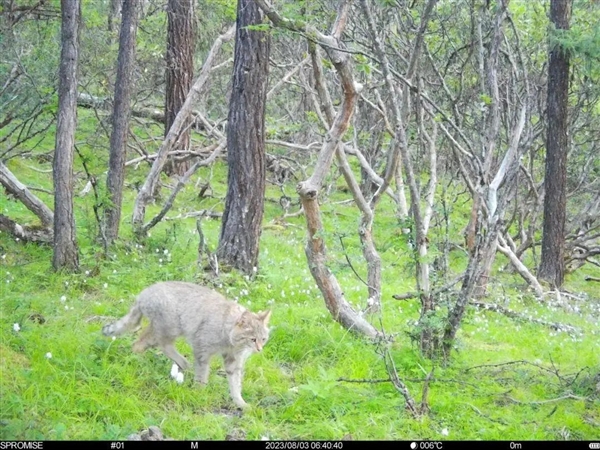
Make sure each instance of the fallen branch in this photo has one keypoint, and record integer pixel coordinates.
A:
(202, 213)
(25, 232)
(517, 316)
(551, 400)
(180, 153)
(410, 380)
(510, 363)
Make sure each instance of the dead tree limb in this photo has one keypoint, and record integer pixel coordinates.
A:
(181, 183)
(23, 194)
(26, 233)
(146, 191)
(309, 189)
(505, 249)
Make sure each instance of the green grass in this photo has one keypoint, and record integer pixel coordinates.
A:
(95, 388)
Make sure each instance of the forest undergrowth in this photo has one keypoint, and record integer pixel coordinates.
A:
(510, 378)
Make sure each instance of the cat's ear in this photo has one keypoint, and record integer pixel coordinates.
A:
(243, 320)
(264, 316)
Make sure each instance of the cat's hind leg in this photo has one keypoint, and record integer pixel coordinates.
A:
(146, 340)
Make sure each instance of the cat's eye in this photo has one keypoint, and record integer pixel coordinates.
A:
(253, 339)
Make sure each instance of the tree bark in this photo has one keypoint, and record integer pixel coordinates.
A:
(65, 244)
(244, 204)
(180, 71)
(552, 264)
(120, 121)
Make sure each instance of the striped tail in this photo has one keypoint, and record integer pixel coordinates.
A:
(126, 323)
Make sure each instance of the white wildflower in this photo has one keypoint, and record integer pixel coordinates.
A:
(445, 432)
(16, 327)
(63, 299)
(49, 355)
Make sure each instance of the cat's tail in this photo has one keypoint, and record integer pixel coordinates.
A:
(126, 323)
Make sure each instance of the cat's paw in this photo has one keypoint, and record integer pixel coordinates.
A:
(108, 330)
(201, 381)
(240, 403)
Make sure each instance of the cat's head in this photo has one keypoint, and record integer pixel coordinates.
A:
(251, 330)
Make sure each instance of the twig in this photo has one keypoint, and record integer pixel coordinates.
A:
(384, 351)
(350, 263)
(366, 380)
(213, 262)
(444, 288)
(424, 407)
(486, 416)
(97, 203)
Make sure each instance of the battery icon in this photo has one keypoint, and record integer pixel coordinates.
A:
(594, 444)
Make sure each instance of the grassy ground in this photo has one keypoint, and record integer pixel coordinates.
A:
(61, 379)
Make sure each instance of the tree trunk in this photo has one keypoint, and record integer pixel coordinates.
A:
(244, 205)
(120, 121)
(65, 244)
(180, 72)
(113, 13)
(552, 265)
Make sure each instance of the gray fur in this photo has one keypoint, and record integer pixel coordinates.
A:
(210, 323)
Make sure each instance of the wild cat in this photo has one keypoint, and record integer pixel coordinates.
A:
(210, 323)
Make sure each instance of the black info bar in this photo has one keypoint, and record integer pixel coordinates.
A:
(301, 445)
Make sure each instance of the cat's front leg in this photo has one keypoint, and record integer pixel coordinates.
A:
(235, 387)
(233, 367)
(202, 368)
